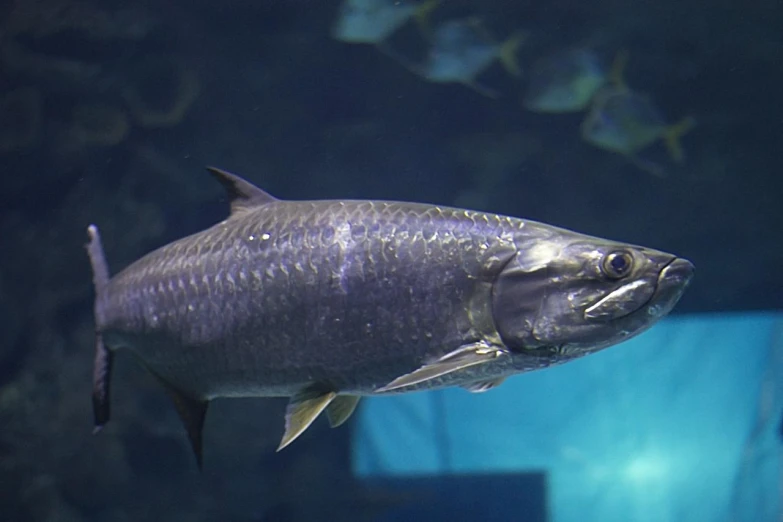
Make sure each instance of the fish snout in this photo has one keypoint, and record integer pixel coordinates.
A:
(673, 279)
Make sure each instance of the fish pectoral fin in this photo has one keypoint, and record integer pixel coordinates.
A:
(461, 358)
(192, 413)
(303, 408)
(482, 386)
(340, 409)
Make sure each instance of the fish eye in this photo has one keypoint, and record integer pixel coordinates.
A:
(617, 264)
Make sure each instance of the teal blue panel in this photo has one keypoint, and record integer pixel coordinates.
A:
(657, 429)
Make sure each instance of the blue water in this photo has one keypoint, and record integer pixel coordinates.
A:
(680, 423)
(109, 111)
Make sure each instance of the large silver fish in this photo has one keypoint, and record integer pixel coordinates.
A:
(327, 301)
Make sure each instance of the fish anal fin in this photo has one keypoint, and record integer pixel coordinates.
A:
(482, 386)
(303, 409)
(242, 194)
(482, 89)
(192, 413)
(340, 409)
(646, 165)
(461, 358)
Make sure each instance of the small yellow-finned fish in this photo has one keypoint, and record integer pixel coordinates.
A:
(462, 49)
(565, 81)
(624, 121)
(374, 21)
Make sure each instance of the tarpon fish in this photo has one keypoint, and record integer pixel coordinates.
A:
(328, 301)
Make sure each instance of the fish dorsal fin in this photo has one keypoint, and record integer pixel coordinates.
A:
(340, 409)
(303, 409)
(242, 194)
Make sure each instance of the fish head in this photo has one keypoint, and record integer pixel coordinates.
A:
(568, 296)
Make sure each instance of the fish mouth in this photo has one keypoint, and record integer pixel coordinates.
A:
(657, 299)
(673, 279)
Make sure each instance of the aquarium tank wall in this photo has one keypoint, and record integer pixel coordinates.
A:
(391, 361)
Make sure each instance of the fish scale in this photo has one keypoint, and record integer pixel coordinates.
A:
(282, 316)
(326, 301)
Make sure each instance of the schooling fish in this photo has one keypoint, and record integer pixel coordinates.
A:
(374, 21)
(462, 49)
(565, 81)
(328, 301)
(624, 121)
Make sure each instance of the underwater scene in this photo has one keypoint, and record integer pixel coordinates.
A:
(391, 260)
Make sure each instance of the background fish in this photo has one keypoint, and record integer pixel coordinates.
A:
(624, 121)
(327, 301)
(373, 21)
(462, 49)
(565, 81)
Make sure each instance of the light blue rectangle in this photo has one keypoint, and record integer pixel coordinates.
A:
(658, 429)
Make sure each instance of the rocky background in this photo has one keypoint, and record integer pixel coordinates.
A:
(109, 110)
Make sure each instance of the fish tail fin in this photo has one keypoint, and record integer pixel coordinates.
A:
(617, 71)
(422, 15)
(509, 51)
(102, 366)
(672, 137)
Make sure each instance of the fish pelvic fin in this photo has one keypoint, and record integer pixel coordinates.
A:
(340, 409)
(463, 357)
(509, 50)
(672, 135)
(104, 359)
(422, 16)
(303, 409)
(242, 194)
(482, 386)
